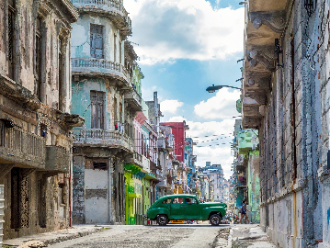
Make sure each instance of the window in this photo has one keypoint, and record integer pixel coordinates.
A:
(190, 200)
(178, 200)
(97, 110)
(10, 33)
(167, 201)
(99, 166)
(60, 83)
(2, 133)
(115, 47)
(96, 41)
(37, 57)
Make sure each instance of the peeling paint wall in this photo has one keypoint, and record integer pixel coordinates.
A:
(34, 94)
(291, 146)
(254, 186)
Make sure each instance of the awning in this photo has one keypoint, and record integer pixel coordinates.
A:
(150, 176)
(134, 169)
(134, 195)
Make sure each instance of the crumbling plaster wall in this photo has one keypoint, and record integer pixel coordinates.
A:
(280, 182)
(324, 75)
(81, 37)
(91, 187)
(53, 219)
(53, 28)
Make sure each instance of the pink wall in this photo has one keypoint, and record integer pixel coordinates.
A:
(179, 138)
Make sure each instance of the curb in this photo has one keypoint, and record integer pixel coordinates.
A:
(230, 238)
(58, 237)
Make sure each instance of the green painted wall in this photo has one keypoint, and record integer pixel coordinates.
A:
(137, 76)
(146, 204)
(80, 103)
(254, 185)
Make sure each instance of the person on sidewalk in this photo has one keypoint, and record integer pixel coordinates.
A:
(243, 213)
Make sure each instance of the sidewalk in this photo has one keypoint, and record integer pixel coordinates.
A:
(44, 239)
(248, 236)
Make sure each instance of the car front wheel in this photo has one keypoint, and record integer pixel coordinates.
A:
(162, 220)
(215, 219)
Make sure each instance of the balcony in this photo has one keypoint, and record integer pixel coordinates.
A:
(161, 143)
(133, 99)
(265, 22)
(170, 142)
(99, 67)
(17, 146)
(155, 168)
(146, 164)
(135, 159)
(101, 138)
(57, 159)
(113, 9)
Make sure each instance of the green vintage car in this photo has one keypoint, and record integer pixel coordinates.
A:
(185, 207)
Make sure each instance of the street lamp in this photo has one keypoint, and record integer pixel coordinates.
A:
(213, 88)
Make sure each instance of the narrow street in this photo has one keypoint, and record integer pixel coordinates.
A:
(185, 235)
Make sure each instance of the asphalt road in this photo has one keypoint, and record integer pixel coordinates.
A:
(170, 236)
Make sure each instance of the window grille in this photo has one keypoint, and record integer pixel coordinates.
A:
(96, 41)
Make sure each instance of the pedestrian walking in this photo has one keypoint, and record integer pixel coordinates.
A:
(243, 213)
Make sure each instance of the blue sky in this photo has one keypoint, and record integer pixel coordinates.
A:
(185, 46)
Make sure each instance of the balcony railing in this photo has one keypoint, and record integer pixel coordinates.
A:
(22, 147)
(146, 163)
(58, 159)
(161, 144)
(99, 66)
(134, 99)
(99, 138)
(110, 6)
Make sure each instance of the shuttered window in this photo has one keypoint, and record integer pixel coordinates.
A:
(97, 109)
(96, 43)
(10, 33)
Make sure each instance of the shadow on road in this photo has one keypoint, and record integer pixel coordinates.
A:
(188, 225)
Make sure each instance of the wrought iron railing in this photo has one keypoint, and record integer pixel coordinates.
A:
(109, 66)
(112, 138)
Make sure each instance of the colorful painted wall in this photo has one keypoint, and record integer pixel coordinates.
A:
(254, 185)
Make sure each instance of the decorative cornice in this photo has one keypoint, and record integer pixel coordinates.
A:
(260, 96)
(265, 55)
(260, 82)
(275, 20)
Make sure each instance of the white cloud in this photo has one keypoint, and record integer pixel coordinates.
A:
(220, 106)
(167, 30)
(214, 148)
(170, 106)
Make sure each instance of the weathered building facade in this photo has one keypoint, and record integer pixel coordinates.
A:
(285, 96)
(104, 93)
(35, 124)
